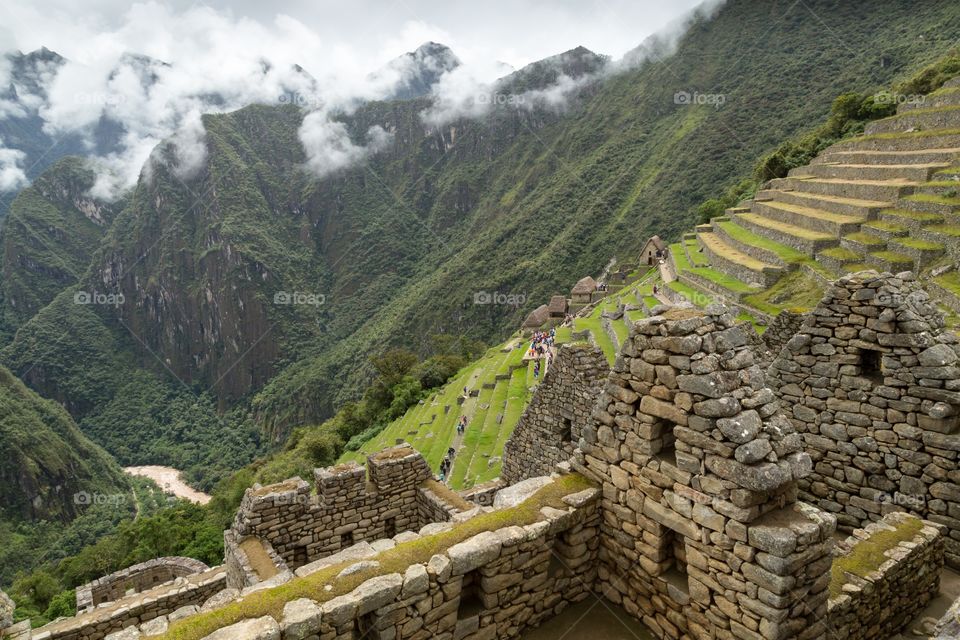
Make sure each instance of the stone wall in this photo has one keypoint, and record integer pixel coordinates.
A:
(883, 602)
(784, 326)
(250, 560)
(551, 425)
(142, 607)
(351, 504)
(701, 535)
(872, 382)
(139, 577)
(492, 585)
(6, 611)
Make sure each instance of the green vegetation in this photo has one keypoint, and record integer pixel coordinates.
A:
(271, 601)
(867, 555)
(841, 253)
(796, 290)
(919, 244)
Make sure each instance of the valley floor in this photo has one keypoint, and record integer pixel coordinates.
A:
(169, 479)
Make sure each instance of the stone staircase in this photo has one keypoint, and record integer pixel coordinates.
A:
(888, 200)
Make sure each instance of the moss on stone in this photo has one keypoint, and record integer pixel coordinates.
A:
(867, 555)
(270, 602)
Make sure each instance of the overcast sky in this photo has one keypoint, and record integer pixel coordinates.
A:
(364, 33)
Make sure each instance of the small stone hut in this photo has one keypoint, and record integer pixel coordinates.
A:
(537, 318)
(653, 250)
(872, 382)
(582, 292)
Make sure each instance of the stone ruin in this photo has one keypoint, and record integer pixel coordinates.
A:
(680, 501)
(135, 579)
(560, 408)
(702, 534)
(295, 526)
(872, 383)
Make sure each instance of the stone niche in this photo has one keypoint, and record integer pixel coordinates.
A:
(702, 536)
(872, 383)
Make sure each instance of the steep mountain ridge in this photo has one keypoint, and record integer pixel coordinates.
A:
(524, 199)
(50, 468)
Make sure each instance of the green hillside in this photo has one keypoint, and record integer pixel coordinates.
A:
(46, 460)
(523, 200)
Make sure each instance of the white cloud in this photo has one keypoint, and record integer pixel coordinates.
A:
(12, 175)
(328, 145)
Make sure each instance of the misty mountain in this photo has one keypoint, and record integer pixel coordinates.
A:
(416, 72)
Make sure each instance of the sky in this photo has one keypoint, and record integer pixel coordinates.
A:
(247, 51)
(369, 32)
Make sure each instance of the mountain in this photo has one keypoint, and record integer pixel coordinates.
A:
(264, 288)
(49, 236)
(49, 467)
(414, 73)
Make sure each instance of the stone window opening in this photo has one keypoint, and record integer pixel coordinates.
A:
(557, 568)
(675, 571)
(871, 365)
(389, 527)
(471, 600)
(364, 628)
(346, 539)
(300, 557)
(566, 434)
(666, 450)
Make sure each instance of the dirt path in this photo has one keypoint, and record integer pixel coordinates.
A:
(170, 481)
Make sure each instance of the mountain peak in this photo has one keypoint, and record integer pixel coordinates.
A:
(417, 71)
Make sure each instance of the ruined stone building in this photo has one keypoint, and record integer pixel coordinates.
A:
(687, 484)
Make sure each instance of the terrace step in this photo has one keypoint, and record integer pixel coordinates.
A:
(929, 203)
(835, 224)
(838, 257)
(761, 248)
(945, 233)
(943, 97)
(846, 206)
(924, 119)
(791, 235)
(919, 156)
(890, 261)
(923, 252)
(911, 172)
(730, 260)
(885, 230)
(911, 219)
(912, 141)
(863, 243)
(882, 190)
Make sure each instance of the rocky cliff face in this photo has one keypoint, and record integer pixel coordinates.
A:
(50, 469)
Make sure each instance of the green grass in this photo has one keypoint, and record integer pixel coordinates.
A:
(885, 225)
(693, 250)
(695, 296)
(920, 244)
(867, 555)
(917, 216)
(785, 253)
(679, 257)
(621, 330)
(796, 290)
(950, 281)
(865, 238)
(892, 257)
(270, 602)
(727, 282)
(841, 253)
(934, 198)
(945, 229)
(600, 336)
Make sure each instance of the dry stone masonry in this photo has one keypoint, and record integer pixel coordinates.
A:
(884, 601)
(552, 423)
(139, 577)
(872, 382)
(701, 534)
(351, 504)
